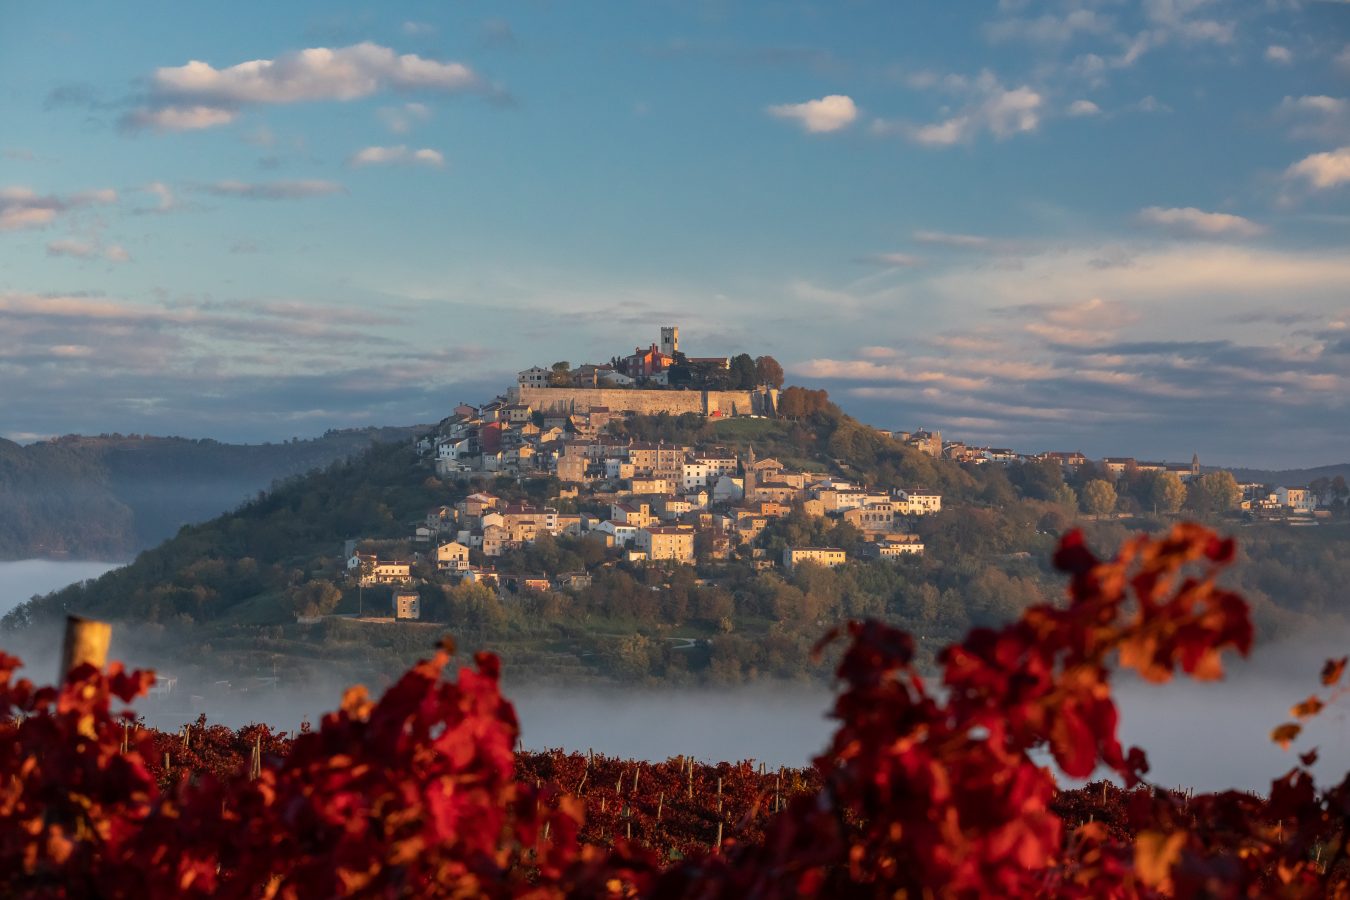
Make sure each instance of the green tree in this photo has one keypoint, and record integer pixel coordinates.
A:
(742, 371)
(1099, 497)
(314, 598)
(561, 376)
(1167, 493)
(1212, 493)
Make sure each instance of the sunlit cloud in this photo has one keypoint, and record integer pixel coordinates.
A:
(831, 113)
(400, 155)
(1197, 222)
(274, 190)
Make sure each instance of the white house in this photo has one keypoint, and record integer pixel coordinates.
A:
(533, 377)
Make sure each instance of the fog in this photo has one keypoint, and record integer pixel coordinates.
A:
(1206, 736)
(20, 580)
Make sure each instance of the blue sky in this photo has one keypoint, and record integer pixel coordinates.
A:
(1108, 226)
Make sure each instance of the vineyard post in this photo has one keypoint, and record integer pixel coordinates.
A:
(86, 641)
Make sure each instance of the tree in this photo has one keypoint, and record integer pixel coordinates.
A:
(561, 374)
(1099, 497)
(1167, 493)
(768, 371)
(1213, 492)
(742, 372)
(314, 598)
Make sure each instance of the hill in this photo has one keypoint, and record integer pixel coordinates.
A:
(1292, 477)
(220, 599)
(110, 496)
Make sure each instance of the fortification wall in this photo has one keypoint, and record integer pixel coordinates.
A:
(646, 402)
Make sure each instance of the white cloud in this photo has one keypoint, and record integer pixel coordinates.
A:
(274, 190)
(415, 29)
(948, 239)
(1318, 117)
(826, 114)
(1342, 60)
(401, 119)
(891, 260)
(178, 118)
(198, 95)
(1323, 171)
(1175, 18)
(163, 193)
(1084, 108)
(1279, 55)
(992, 108)
(1192, 221)
(1150, 104)
(78, 249)
(22, 207)
(1049, 28)
(400, 155)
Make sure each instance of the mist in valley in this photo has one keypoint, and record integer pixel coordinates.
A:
(1206, 736)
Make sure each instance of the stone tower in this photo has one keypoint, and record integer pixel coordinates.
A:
(749, 487)
(1195, 465)
(670, 340)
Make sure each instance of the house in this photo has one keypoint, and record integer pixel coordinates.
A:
(894, 546)
(1119, 465)
(407, 606)
(829, 557)
(637, 513)
(517, 413)
(873, 517)
(918, 502)
(534, 377)
(573, 581)
(620, 535)
(452, 556)
(673, 542)
(1297, 499)
(391, 572)
(728, 489)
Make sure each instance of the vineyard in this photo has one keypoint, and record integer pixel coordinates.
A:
(921, 792)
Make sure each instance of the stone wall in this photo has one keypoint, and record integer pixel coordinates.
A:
(647, 402)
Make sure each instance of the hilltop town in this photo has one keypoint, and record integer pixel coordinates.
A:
(672, 503)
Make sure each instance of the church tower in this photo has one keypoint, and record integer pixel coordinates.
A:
(1195, 465)
(749, 489)
(670, 340)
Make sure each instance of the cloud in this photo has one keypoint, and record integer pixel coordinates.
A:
(991, 108)
(1150, 104)
(77, 249)
(1083, 108)
(1049, 28)
(198, 95)
(274, 190)
(400, 155)
(401, 119)
(1342, 60)
(829, 113)
(1316, 117)
(1279, 55)
(1174, 18)
(1191, 221)
(164, 195)
(891, 260)
(1323, 171)
(417, 29)
(22, 207)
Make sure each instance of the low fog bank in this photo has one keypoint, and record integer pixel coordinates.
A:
(776, 724)
(22, 579)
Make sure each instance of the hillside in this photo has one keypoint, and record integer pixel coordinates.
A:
(1292, 477)
(110, 496)
(220, 598)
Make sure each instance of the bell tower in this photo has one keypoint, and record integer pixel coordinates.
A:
(670, 340)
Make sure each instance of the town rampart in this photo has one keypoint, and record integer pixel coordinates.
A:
(647, 402)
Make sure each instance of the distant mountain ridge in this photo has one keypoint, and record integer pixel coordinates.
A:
(1292, 477)
(111, 496)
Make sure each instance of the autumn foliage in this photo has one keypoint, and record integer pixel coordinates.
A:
(924, 790)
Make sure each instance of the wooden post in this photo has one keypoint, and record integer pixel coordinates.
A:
(255, 765)
(86, 641)
(660, 805)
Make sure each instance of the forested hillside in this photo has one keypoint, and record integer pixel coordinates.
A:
(230, 589)
(109, 496)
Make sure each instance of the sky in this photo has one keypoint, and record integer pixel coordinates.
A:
(1094, 225)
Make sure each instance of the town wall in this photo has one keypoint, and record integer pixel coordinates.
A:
(647, 402)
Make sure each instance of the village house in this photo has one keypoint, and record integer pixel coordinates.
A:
(829, 557)
(667, 542)
(407, 606)
(895, 546)
(917, 502)
(452, 556)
